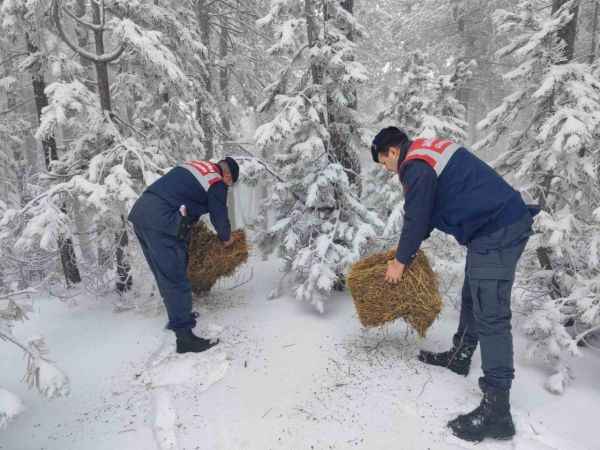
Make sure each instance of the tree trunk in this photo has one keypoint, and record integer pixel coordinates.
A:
(348, 5)
(568, 34)
(340, 128)
(470, 50)
(83, 39)
(312, 34)
(203, 112)
(595, 32)
(124, 279)
(101, 67)
(65, 245)
(224, 72)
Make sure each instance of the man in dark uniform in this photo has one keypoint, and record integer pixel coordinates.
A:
(448, 188)
(162, 218)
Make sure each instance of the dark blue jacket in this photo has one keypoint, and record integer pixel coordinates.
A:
(158, 206)
(468, 199)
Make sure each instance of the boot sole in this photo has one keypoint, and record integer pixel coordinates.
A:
(181, 350)
(462, 373)
(494, 435)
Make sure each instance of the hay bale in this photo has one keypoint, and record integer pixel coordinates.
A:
(209, 260)
(415, 299)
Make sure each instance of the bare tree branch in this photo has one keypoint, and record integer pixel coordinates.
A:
(93, 26)
(28, 291)
(18, 105)
(11, 57)
(105, 58)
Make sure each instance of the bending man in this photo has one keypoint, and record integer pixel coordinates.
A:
(448, 188)
(162, 218)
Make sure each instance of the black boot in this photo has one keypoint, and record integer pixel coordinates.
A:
(491, 418)
(457, 359)
(189, 342)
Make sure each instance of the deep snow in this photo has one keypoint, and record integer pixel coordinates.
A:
(283, 377)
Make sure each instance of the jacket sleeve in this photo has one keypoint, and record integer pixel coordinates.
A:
(420, 182)
(217, 208)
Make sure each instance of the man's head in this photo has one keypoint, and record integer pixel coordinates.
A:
(388, 146)
(230, 169)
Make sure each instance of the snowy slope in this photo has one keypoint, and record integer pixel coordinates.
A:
(283, 377)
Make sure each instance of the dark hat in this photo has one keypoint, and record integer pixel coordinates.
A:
(390, 136)
(234, 168)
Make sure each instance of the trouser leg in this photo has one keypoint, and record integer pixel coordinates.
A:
(467, 328)
(491, 276)
(168, 259)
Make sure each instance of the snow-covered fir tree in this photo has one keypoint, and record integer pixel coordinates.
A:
(405, 109)
(445, 116)
(424, 106)
(411, 97)
(550, 124)
(320, 226)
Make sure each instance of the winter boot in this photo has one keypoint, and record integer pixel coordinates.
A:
(189, 342)
(457, 359)
(491, 418)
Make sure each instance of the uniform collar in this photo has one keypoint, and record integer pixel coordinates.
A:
(403, 151)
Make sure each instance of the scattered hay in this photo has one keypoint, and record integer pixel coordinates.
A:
(209, 260)
(415, 299)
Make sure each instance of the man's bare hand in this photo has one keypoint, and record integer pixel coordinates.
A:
(228, 243)
(394, 271)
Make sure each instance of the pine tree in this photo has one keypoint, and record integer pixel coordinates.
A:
(446, 115)
(411, 97)
(550, 123)
(320, 225)
(422, 106)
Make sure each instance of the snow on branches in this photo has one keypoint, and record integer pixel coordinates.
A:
(424, 104)
(551, 125)
(320, 226)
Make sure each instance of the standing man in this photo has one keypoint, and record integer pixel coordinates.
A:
(162, 219)
(448, 188)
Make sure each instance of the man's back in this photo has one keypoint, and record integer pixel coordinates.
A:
(471, 199)
(474, 199)
(158, 207)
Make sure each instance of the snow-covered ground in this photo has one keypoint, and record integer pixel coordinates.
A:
(283, 377)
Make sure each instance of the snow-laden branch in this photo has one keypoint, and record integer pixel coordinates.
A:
(276, 88)
(50, 381)
(28, 291)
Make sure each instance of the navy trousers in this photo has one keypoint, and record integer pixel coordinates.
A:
(485, 315)
(168, 259)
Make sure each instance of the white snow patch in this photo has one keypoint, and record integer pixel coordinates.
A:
(165, 420)
(202, 370)
(10, 407)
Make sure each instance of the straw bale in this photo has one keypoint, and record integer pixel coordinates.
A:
(415, 298)
(209, 260)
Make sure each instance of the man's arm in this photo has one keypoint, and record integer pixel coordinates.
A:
(420, 182)
(217, 208)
